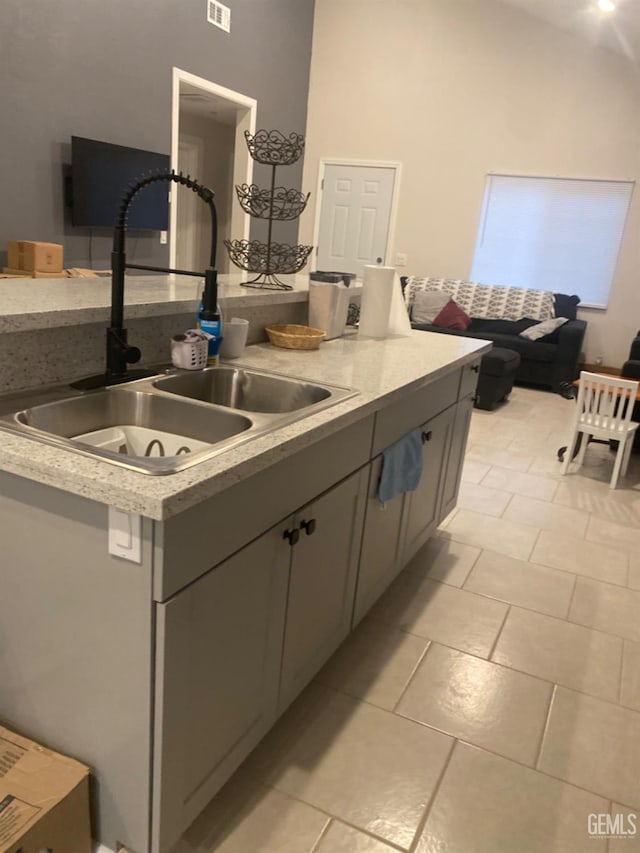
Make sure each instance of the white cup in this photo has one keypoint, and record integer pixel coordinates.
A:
(234, 337)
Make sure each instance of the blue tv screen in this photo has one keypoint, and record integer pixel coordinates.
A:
(101, 173)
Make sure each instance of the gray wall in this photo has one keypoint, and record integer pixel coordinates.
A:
(103, 70)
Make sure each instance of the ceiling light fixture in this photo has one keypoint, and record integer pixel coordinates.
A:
(606, 5)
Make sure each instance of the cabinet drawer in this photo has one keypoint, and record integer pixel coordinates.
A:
(414, 409)
(469, 380)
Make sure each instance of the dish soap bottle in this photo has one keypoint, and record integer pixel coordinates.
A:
(209, 317)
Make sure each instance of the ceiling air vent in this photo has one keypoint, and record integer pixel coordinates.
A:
(219, 15)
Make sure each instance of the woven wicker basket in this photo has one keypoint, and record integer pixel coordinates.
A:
(291, 336)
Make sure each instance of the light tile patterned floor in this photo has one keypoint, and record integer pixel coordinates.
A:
(491, 701)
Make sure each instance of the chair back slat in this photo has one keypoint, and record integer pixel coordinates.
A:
(605, 402)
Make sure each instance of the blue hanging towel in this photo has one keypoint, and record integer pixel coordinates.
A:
(401, 467)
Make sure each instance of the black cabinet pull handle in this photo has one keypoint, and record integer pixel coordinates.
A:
(475, 367)
(308, 526)
(427, 436)
(292, 535)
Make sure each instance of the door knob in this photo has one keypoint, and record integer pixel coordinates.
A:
(308, 526)
(292, 535)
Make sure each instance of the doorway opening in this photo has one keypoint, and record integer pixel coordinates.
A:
(355, 214)
(208, 122)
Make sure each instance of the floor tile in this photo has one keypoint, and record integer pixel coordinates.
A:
(629, 822)
(522, 583)
(443, 613)
(506, 537)
(374, 663)
(246, 816)
(614, 534)
(372, 769)
(546, 516)
(593, 744)
(564, 551)
(487, 804)
(521, 483)
(444, 560)
(483, 499)
(621, 505)
(473, 471)
(561, 652)
(518, 408)
(630, 684)
(480, 702)
(547, 464)
(344, 839)
(606, 607)
(535, 440)
(490, 456)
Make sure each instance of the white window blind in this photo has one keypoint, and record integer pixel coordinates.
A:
(558, 234)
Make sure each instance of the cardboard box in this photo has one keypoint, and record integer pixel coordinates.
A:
(33, 256)
(8, 272)
(44, 799)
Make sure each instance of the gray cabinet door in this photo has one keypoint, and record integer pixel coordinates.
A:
(323, 575)
(219, 646)
(381, 557)
(455, 461)
(422, 505)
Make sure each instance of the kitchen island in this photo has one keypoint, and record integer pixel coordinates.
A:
(163, 674)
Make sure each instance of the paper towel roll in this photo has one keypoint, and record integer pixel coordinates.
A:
(377, 290)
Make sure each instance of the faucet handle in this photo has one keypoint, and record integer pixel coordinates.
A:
(132, 354)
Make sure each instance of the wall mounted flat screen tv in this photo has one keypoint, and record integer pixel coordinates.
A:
(100, 175)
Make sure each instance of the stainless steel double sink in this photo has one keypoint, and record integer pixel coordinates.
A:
(172, 421)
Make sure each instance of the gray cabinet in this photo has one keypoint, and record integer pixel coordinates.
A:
(218, 653)
(235, 647)
(455, 461)
(422, 505)
(225, 621)
(324, 566)
(381, 556)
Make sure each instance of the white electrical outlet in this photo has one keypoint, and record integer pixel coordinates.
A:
(598, 360)
(163, 238)
(401, 259)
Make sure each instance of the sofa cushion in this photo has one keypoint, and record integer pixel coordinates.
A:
(544, 329)
(427, 304)
(452, 317)
(529, 350)
(500, 327)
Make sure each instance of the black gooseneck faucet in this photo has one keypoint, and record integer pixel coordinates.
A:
(119, 352)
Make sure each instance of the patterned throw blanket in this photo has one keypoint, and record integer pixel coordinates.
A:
(486, 301)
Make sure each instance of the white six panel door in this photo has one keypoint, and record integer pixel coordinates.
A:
(354, 217)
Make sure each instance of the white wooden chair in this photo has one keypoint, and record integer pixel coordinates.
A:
(603, 411)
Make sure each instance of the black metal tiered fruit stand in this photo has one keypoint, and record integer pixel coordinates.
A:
(270, 259)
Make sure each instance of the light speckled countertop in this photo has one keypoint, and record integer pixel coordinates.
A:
(380, 371)
(43, 303)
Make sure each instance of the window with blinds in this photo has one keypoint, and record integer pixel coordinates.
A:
(558, 234)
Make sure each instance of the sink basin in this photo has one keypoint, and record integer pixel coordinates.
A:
(244, 389)
(137, 429)
(168, 422)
